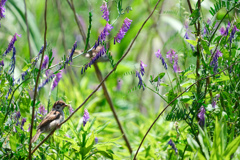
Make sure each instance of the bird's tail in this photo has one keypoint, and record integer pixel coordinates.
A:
(36, 136)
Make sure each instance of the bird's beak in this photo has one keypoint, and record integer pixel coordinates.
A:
(66, 105)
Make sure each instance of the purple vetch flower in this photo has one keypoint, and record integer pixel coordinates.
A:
(223, 31)
(69, 59)
(13, 62)
(175, 65)
(42, 110)
(46, 81)
(85, 117)
(125, 27)
(9, 92)
(24, 74)
(11, 44)
(171, 143)
(214, 62)
(140, 83)
(45, 62)
(67, 135)
(142, 65)
(187, 37)
(214, 101)
(209, 21)
(101, 52)
(103, 35)
(233, 33)
(105, 11)
(96, 140)
(22, 123)
(159, 55)
(2, 63)
(71, 110)
(158, 82)
(56, 80)
(119, 84)
(17, 117)
(170, 54)
(2, 9)
(201, 116)
(29, 127)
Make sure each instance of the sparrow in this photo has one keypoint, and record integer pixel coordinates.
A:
(103, 58)
(52, 119)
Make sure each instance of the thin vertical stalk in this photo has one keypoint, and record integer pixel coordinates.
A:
(99, 76)
(28, 33)
(37, 79)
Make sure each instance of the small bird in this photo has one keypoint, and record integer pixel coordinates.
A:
(52, 119)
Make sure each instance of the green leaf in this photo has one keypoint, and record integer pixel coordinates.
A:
(231, 148)
(195, 15)
(161, 75)
(192, 143)
(222, 78)
(90, 142)
(1, 119)
(192, 42)
(105, 154)
(101, 128)
(13, 142)
(205, 47)
(26, 67)
(24, 105)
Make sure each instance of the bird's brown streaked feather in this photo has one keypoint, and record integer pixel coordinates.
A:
(52, 115)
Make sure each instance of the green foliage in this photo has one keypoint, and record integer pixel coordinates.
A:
(197, 78)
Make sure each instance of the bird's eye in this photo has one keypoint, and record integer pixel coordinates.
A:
(57, 107)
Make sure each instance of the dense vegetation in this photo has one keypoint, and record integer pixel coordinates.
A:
(143, 79)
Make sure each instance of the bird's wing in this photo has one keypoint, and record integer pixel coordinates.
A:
(52, 115)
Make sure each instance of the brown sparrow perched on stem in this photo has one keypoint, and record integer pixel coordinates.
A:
(52, 119)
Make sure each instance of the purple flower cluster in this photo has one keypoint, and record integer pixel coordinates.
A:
(69, 59)
(171, 143)
(85, 117)
(214, 101)
(172, 56)
(2, 63)
(11, 44)
(22, 123)
(142, 66)
(56, 80)
(2, 9)
(42, 110)
(233, 33)
(159, 55)
(105, 11)
(96, 140)
(140, 83)
(223, 31)
(46, 81)
(142, 71)
(94, 59)
(24, 74)
(187, 37)
(13, 62)
(17, 117)
(71, 109)
(201, 116)
(103, 35)
(125, 27)
(45, 62)
(214, 62)
(9, 92)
